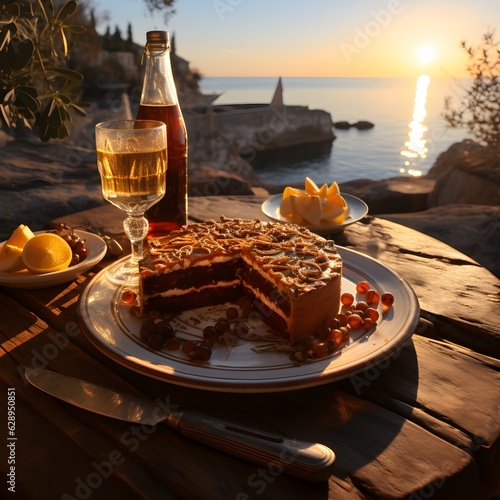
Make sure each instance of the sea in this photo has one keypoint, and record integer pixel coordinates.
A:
(409, 133)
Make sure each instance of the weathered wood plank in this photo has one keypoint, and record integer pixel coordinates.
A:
(460, 296)
(56, 454)
(456, 398)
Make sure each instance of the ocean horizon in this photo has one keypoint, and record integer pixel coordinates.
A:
(409, 133)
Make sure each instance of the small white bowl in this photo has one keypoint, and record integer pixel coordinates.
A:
(357, 210)
(96, 248)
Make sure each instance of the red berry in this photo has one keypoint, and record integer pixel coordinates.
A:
(387, 301)
(362, 287)
(188, 347)
(372, 297)
(164, 329)
(222, 325)
(201, 353)
(333, 323)
(147, 329)
(372, 313)
(156, 341)
(342, 319)
(320, 349)
(172, 344)
(336, 336)
(232, 314)
(345, 334)
(323, 333)
(347, 299)
(355, 321)
(210, 334)
(368, 324)
(129, 297)
(361, 306)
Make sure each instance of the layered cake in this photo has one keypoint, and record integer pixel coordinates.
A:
(292, 275)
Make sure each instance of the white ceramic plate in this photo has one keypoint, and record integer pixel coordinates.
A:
(357, 210)
(239, 368)
(96, 247)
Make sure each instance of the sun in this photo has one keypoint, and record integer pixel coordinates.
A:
(426, 54)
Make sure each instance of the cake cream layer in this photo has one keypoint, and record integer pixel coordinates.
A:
(179, 292)
(191, 277)
(206, 297)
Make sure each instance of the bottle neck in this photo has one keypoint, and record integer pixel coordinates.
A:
(159, 86)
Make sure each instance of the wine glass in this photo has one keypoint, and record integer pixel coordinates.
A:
(132, 161)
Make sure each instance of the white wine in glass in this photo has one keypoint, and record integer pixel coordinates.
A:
(132, 162)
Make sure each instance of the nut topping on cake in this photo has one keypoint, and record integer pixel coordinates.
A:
(294, 273)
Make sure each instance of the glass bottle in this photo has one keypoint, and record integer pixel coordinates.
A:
(159, 102)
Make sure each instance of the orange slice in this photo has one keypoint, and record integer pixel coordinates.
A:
(46, 253)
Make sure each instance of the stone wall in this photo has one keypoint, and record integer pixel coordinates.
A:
(255, 129)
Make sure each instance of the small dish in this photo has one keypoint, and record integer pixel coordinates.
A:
(357, 210)
(96, 248)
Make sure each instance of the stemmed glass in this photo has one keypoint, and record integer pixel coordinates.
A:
(132, 161)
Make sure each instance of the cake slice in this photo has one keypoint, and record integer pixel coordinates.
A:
(293, 275)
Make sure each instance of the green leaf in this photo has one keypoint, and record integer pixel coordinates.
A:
(55, 119)
(28, 97)
(9, 96)
(63, 98)
(67, 73)
(4, 38)
(67, 10)
(21, 53)
(80, 109)
(12, 9)
(77, 30)
(5, 115)
(64, 42)
(5, 63)
(49, 109)
(62, 132)
(47, 7)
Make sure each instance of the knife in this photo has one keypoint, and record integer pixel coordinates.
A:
(309, 461)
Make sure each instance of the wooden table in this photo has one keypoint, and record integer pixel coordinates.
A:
(425, 423)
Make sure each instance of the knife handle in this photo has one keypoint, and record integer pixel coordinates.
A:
(310, 461)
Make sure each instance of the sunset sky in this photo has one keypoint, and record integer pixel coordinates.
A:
(318, 38)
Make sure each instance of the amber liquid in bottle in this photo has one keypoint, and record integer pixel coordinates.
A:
(171, 211)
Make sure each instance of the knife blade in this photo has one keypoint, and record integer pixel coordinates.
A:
(306, 460)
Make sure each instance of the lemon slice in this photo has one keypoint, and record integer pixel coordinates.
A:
(340, 219)
(329, 212)
(286, 204)
(46, 253)
(308, 208)
(311, 187)
(10, 258)
(333, 190)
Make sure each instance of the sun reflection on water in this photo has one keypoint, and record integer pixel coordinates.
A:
(416, 146)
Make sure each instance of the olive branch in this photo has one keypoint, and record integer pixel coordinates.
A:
(38, 88)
